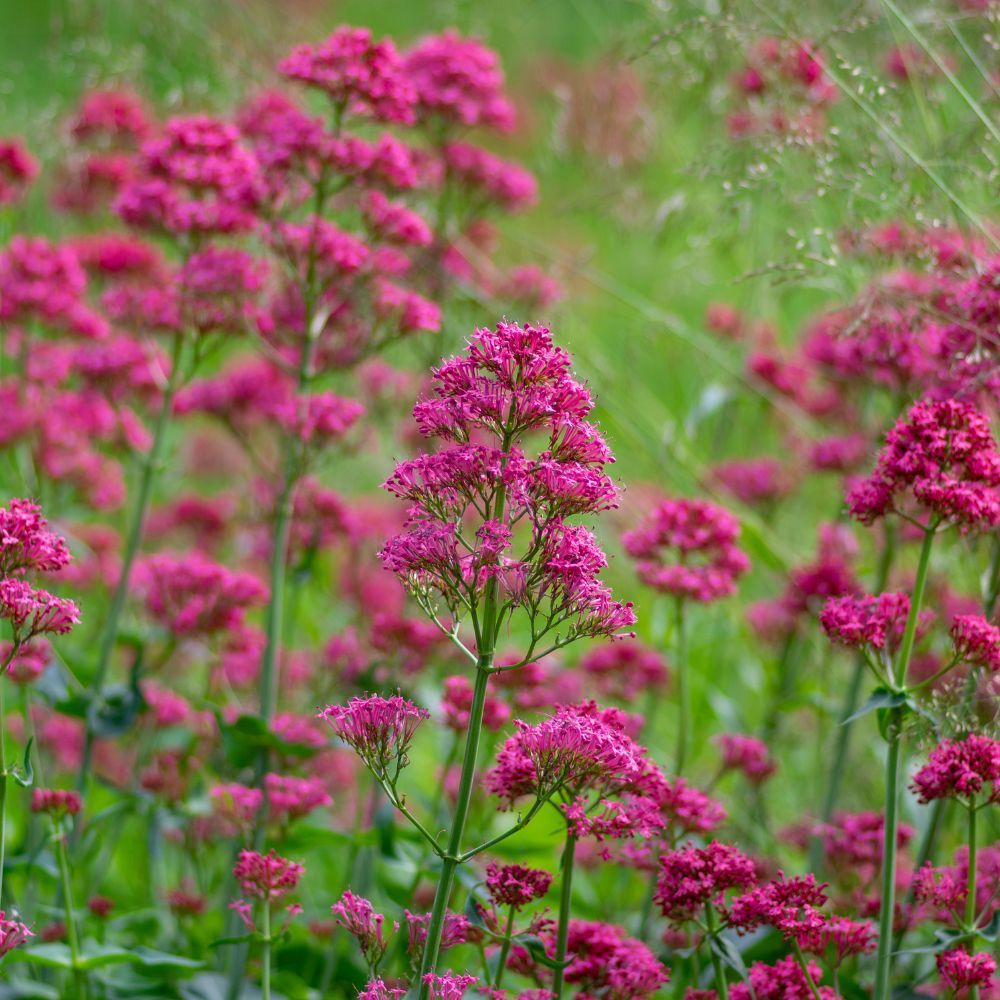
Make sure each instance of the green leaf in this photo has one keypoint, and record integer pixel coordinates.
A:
(53, 955)
(150, 958)
(94, 955)
(25, 774)
(26, 989)
(236, 939)
(729, 953)
(536, 948)
(880, 700)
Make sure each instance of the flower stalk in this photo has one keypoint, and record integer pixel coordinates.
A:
(893, 775)
(565, 906)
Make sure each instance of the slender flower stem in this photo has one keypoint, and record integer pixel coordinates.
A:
(782, 689)
(970, 902)
(109, 636)
(681, 674)
(721, 986)
(291, 474)
(450, 861)
(893, 775)
(453, 856)
(265, 981)
(565, 905)
(504, 948)
(3, 770)
(804, 966)
(849, 707)
(970, 899)
(79, 975)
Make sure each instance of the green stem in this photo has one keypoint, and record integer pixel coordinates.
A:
(450, 862)
(3, 772)
(916, 600)
(265, 981)
(504, 948)
(893, 774)
(804, 966)
(970, 902)
(683, 687)
(79, 975)
(849, 707)
(269, 673)
(565, 905)
(782, 690)
(721, 986)
(109, 636)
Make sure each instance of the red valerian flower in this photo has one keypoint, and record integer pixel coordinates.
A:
(515, 885)
(485, 515)
(379, 730)
(976, 641)
(693, 877)
(360, 76)
(960, 769)
(688, 548)
(961, 971)
(267, 876)
(941, 458)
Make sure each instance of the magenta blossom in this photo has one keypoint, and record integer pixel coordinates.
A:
(12, 934)
(687, 548)
(360, 75)
(267, 876)
(515, 885)
(693, 877)
(358, 917)
(963, 972)
(379, 730)
(485, 517)
(960, 769)
(940, 460)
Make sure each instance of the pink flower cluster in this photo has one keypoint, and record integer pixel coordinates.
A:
(789, 905)
(515, 885)
(358, 917)
(55, 802)
(267, 876)
(625, 669)
(379, 730)
(876, 621)
(605, 961)
(13, 934)
(18, 169)
(961, 769)
(578, 749)
(357, 73)
(962, 972)
(27, 546)
(196, 178)
(976, 641)
(942, 460)
(747, 755)
(193, 596)
(511, 381)
(459, 81)
(693, 877)
(687, 548)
